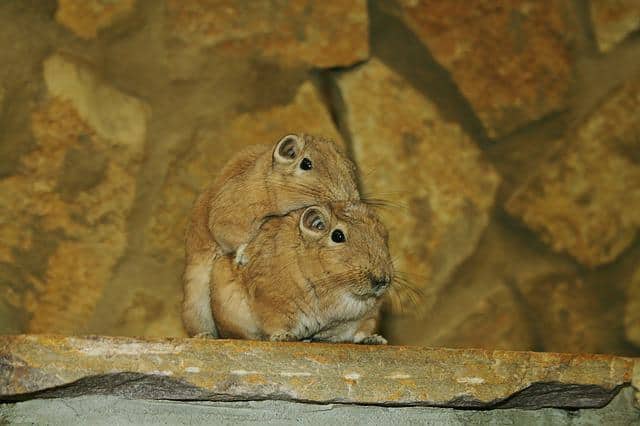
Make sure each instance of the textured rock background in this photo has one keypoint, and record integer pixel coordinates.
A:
(505, 136)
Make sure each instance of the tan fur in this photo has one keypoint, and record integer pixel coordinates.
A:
(250, 188)
(301, 285)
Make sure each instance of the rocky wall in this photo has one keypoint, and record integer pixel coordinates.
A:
(503, 136)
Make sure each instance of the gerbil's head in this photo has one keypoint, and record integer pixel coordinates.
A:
(311, 170)
(345, 250)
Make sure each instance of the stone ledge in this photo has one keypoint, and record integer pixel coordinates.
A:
(44, 366)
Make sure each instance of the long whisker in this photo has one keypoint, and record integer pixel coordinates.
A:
(404, 296)
(381, 203)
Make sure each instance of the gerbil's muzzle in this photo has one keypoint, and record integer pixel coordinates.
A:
(379, 283)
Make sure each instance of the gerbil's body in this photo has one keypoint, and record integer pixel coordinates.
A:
(259, 182)
(314, 274)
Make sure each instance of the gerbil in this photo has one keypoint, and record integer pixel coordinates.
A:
(257, 183)
(317, 273)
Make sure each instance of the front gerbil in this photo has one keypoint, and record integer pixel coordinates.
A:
(317, 273)
(259, 182)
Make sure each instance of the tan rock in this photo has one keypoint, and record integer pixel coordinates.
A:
(614, 20)
(430, 168)
(571, 315)
(509, 59)
(316, 34)
(482, 306)
(493, 319)
(585, 201)
(632, 310)
(213, 147)
(94, 101)
(87, 17)
(196, 369)
(635, 382)
(64, 214)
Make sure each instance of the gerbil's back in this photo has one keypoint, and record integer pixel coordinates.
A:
(272, 247)
(240, 163)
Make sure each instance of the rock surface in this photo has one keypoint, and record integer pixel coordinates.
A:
(64, 214)
(302, 33)
(440, 189)
(482, 306)
(509, 59)
(632, 310)
(585, 201)
(614, 20)
(192, 369)
(212, 147)
(87, 17)
(566, 314)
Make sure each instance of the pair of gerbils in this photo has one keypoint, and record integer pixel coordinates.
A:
(281, 247)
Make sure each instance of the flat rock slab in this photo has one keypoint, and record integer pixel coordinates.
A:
(42, 366)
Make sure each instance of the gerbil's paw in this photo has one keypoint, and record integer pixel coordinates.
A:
(283, 336)
(241, 259)
(374, 339)
(205, 335)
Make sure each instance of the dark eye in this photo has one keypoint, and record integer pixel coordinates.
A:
(306, 164)
(337, 236)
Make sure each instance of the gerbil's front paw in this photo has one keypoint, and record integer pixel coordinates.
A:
(283, 336)
(374, 339)
(241, 259)
(205, 335)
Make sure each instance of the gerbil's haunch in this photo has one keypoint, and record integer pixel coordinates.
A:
(317, 273)
(261, 181)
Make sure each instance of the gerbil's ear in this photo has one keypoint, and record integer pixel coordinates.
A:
(288, 149)
(314, 221)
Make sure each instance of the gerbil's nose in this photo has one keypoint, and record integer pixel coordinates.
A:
(379, 282)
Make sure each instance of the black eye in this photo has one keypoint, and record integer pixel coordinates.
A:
(337, 236)
(306, 164)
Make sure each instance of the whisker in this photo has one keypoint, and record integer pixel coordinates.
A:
(383, 203)
(404, 295)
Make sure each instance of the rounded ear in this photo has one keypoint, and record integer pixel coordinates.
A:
(314, 221)
(288, 149)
